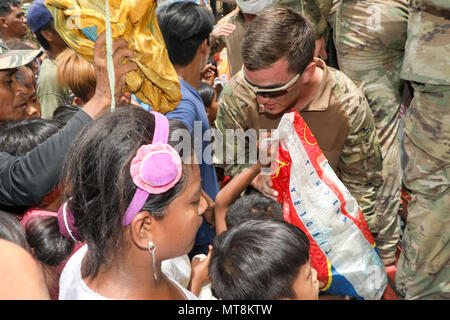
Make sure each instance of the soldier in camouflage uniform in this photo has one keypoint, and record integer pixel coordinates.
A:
(10, 62)
(335, 109)
(316, 11)
(370, 37)
(3, 47)
(423, 269)
(321, 14)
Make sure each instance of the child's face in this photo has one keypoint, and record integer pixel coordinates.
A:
(184, 217)
(306, 286)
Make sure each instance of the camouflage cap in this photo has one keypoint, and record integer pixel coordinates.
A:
(17, 58)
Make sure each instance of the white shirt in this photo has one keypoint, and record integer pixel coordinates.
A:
(73, 287)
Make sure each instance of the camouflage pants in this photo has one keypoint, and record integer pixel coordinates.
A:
(370, 37)
(423, 269)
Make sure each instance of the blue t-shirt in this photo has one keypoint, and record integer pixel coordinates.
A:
(191, 110)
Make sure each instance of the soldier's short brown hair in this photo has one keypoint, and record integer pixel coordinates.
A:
(276, 34)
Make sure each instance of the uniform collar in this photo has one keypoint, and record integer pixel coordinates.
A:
(323, 95)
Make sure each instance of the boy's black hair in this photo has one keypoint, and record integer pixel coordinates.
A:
(64, 113)
(206, 92)
(258, 260)
(5, 6)
(254, 206)
(184, 25)
(19, 137)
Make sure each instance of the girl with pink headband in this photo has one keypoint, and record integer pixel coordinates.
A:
(134, 202)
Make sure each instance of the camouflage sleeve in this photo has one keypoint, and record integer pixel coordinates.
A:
(437, 7)
(316, 11)
(360, 163)
(426, 57)
(231, 124)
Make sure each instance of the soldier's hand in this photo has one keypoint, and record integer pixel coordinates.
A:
(321, 49)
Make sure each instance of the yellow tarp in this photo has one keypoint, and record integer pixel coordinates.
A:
(156, 82)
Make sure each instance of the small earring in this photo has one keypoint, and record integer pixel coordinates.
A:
(152, 249)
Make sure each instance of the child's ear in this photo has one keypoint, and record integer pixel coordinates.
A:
(47, 35)
(141, 229)
(78, 101)
(208, 110)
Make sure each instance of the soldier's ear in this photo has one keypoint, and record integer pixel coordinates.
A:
(3, 23)
(308, 73)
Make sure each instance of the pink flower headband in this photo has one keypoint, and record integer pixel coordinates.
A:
(146, 174)
(155, 169)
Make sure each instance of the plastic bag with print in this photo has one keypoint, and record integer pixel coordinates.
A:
(342, 249)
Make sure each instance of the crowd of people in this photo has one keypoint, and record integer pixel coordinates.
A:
(103, 204)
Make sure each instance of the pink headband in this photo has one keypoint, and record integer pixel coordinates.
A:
(155, 169)
(66, 223)
(146, 174)
(36, 213)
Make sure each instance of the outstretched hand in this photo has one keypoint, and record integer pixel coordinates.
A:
(102, 98)
(222, 30)
(208, 74)
(200, 273)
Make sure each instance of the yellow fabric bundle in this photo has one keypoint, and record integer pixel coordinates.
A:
(80, 21)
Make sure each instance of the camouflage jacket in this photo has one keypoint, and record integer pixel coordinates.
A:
(339, 117)
(427, 58)
(3, 47)
(316, 11)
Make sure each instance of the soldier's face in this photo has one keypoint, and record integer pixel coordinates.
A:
(8, 88)
(25, 93)
(276, 76)
(16, 21)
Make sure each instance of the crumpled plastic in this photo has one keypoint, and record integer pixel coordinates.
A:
(79, 22)
(342, 249)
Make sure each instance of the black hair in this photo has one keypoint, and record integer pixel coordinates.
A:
(206, 92)
(97, 171)
(42, 233)
(49, 246)
(50, 25)
(253, 206)
(19, 137)
(184, 25)
(258, 260)
(5, 6)
(11, 230)
(64, 113)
